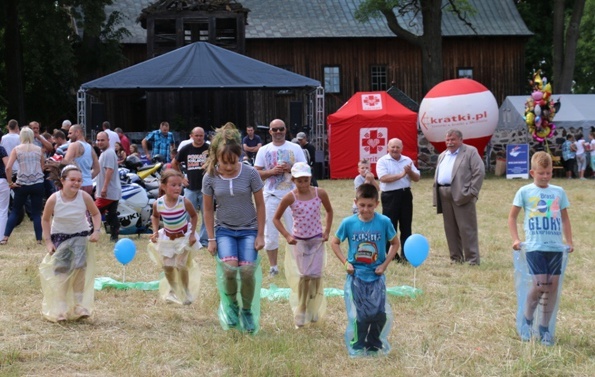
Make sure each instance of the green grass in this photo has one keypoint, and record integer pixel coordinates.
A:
(462, 324)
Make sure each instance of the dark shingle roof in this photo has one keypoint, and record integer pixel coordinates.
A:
(335, 19)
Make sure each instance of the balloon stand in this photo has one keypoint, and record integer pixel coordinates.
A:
(123, 273)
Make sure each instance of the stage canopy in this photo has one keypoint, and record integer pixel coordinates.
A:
(200, 65)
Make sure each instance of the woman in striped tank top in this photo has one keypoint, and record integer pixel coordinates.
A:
(178, 235)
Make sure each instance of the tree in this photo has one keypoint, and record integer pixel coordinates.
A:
(562, 32)
(429, 41)
(585, 64)
(565, 45)
(46, 57)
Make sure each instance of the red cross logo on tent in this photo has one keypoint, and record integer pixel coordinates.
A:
(371, 102)
(373, 141)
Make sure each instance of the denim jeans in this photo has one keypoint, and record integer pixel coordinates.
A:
(35, 193)
(236, 245)
(195, 197)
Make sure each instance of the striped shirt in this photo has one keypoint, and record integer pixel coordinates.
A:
(175, 218)
(235, 207)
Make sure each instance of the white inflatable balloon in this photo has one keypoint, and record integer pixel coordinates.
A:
(463, 104)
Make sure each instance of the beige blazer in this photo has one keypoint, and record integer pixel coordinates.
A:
(467, 177)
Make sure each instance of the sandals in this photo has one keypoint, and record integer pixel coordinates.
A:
(4, 241)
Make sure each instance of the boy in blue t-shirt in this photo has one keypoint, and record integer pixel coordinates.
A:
(367, 233)
(546, 224)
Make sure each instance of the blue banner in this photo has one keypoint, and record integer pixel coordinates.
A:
(517, 161)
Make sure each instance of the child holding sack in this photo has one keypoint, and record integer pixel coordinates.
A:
(368, 313)
(177, 238)
(67, 271)
(306, 259)
(540, 267)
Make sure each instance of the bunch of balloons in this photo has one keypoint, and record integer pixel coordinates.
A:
(540, 109)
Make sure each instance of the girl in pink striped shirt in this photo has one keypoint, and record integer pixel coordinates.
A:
(178, 235)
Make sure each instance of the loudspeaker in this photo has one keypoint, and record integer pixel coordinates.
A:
(295, 117)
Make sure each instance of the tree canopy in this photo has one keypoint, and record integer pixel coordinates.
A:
(49, 49)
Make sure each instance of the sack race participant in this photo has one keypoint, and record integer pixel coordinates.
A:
(175, 241)
(369, 316)
(67, 272)
(306, 259)
(235, 229)
(541, 260)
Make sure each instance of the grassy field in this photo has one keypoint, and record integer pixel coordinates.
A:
(462, 324)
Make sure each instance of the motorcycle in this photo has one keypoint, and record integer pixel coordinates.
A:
(134, 210)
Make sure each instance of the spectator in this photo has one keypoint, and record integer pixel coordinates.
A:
(124, 140)
(162, 141)
(113, 136)
(108, 189)
(66, 126)
(29, 183)
(457, 181)
(396, 172)
(251, 143)
(309, 152)
(569, 155)
(194, 156)
(120, 154)
(273, 162)
(83, 155)
(11, 140)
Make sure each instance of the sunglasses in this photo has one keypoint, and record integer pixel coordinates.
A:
(278, 129)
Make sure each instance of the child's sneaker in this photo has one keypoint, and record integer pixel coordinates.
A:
(546, 339)
(80, 312)
(189, 299)
(300, 319)
(231, 314)
(525, 332)
(273, 272)
(172, 298)
(247, 320)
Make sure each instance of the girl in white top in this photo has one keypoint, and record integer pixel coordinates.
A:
(581, 159)
(67, 270)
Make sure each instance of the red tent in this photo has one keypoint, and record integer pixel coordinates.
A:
(362, 127)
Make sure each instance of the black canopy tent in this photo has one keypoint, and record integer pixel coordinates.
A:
(201, 65)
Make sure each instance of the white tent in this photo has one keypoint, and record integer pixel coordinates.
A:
(577, 111)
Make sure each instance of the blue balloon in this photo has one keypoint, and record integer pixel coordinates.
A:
(417, 249)
(125, 250)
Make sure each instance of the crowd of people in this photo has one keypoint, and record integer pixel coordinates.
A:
(249, 194)
(578, 156)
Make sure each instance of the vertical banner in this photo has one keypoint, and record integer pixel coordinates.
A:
(517, 161)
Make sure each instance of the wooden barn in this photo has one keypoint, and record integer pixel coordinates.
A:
(321, 40)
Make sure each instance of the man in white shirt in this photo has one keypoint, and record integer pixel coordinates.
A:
(113, 136)
(396, 172)
(11, 140)
(273, 162)
(457, 181)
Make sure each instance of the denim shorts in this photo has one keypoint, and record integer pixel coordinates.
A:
(236, 245)
(544, 262)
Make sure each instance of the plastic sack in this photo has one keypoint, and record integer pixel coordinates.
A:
(524, 281)
(304, 265)
(156, 251)
(369, 317)
(67, 281)
(105, 282)
(229, 278)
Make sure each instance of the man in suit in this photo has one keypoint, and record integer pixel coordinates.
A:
(458, 179)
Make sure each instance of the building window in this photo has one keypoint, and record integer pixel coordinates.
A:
(378, 78)
(465, 73)
(332, 80)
